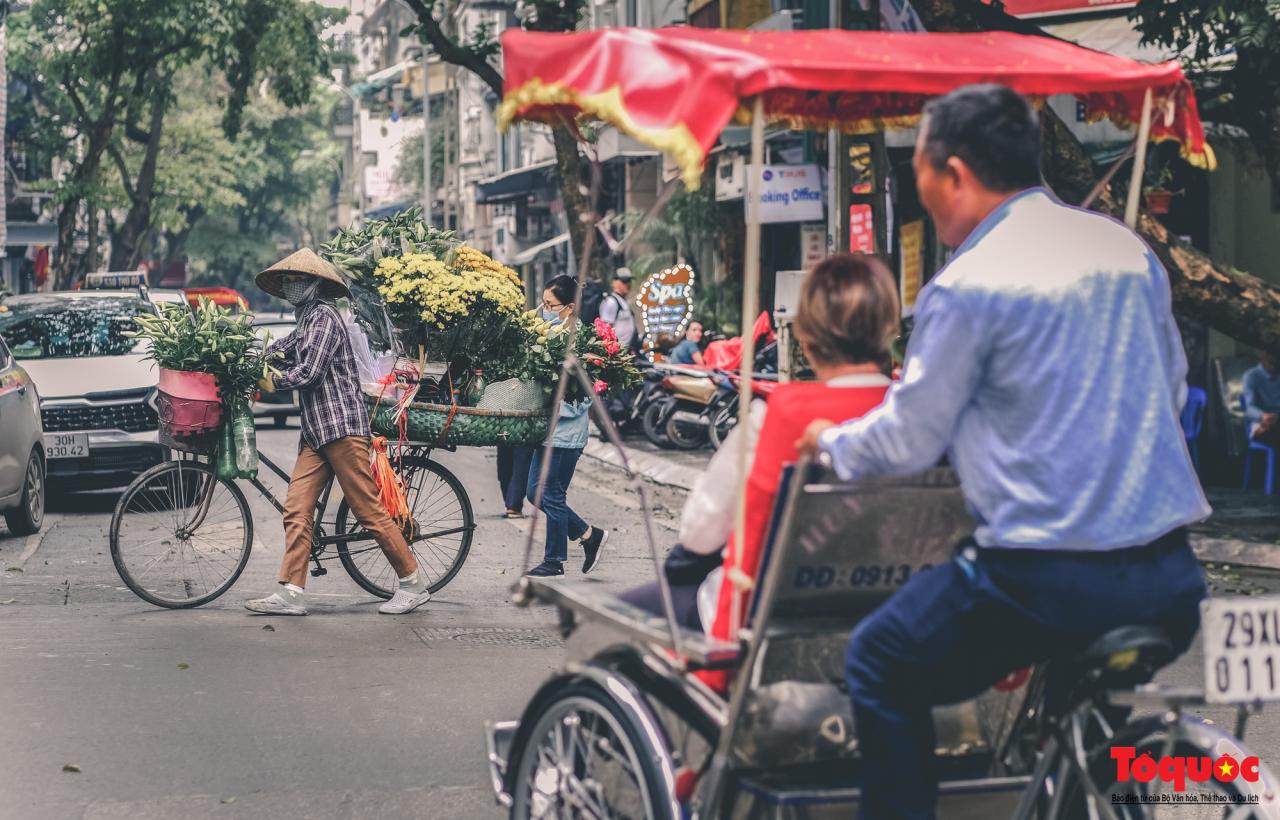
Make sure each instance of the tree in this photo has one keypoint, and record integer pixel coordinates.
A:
(474, 56)
(1247, 93)
(1232, 302)
(106, 78)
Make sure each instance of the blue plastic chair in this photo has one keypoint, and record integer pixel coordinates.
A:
(1193, 420)
(1257, 447)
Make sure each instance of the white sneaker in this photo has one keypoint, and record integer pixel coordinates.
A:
(275, 604)
(406, 599)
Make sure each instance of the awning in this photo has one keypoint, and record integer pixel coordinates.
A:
(516, 183)
(387, 210)
(528, 255)
(677, 88)
(31, 233)
(379, 80)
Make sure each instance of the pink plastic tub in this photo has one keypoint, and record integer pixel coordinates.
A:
(183, 384)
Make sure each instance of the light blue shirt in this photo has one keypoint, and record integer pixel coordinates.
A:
(574, 425)
(1046, 361)
(1261, 394)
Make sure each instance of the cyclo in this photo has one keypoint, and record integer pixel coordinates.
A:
(624, 729)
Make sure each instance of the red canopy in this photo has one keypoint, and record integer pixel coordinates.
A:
(677, 88)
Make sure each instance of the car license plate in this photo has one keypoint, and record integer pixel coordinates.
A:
(1241, 649)
(66, 445)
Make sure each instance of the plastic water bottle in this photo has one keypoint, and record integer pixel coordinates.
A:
(246, 442)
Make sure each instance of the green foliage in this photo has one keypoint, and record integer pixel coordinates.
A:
(209, 339)
(408, 169)
(535, 350)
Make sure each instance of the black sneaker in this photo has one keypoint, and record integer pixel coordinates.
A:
(593, 546)
(547, 569)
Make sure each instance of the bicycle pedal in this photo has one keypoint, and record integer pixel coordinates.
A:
(318, 571)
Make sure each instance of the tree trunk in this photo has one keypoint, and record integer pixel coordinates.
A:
(578, 210)
(64, 269)
(126, 250)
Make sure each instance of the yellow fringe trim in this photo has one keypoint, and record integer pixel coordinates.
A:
(607, 106)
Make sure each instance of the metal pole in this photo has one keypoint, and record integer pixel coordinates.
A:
(1139, 163)
(426, 138)
(750, 306)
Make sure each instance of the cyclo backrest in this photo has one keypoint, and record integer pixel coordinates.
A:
(836, 551)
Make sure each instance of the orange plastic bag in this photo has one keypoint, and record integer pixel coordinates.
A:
(391, 491)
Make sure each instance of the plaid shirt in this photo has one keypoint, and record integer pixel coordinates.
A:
(319, 364)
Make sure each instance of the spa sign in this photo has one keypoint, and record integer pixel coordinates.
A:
(666, 302)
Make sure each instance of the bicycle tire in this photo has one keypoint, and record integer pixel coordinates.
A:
(375, 576)
(146, 483)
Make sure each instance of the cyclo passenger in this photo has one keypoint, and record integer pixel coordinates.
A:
(846, 322)
(1046, 362)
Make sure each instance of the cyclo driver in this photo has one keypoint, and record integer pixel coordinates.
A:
(1046, 362)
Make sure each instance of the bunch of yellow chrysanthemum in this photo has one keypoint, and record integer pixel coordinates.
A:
(420, 289)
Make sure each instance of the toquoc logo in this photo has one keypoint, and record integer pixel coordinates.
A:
(1178, 769)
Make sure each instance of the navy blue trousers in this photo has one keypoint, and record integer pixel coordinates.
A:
(955, 629)
(513, 474)
(562, 522)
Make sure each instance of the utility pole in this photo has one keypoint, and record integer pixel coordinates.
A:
(426, 137)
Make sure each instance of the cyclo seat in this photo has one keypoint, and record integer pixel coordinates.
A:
(1120, 659)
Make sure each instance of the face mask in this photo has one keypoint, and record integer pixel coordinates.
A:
(299, 292)
(550, 315)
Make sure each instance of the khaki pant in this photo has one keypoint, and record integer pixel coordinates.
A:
(349, 459)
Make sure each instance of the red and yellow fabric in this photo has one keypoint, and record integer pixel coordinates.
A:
(676, 89)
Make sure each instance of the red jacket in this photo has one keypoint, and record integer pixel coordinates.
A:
(792, 407)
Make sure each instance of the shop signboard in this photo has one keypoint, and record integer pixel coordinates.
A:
(788, 193)
(813, 244)
(862, 229)
(911, 269)
(666, 303)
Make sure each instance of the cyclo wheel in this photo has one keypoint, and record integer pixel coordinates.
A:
(439, 534)
(585, 757)
(180, 536)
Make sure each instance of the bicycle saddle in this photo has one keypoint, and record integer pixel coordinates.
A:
(1120, 659)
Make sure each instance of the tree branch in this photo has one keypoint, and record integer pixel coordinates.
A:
(125, 178)
(452, 52)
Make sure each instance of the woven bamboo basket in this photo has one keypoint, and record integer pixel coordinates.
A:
(460, 426)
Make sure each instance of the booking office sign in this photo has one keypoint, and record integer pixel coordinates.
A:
(666, 303)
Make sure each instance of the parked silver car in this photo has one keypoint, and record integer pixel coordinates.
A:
(97, 392)
(22, 449)
(278, 404)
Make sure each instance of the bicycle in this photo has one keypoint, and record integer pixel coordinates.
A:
(180, 536)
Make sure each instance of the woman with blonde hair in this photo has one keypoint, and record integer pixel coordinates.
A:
(846, 321)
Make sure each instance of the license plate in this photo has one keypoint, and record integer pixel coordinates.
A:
(66, 445)
(1241, 649)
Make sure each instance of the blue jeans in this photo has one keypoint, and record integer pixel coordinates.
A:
(955, 629)
(562, 522)
(513, 474)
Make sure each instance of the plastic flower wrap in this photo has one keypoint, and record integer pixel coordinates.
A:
(417, 290)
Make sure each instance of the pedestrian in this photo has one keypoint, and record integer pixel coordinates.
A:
(1046, 362)
(567, 442)
(513, 477)
(689, 351)
(317, 361)
(615, 310)
(1262, 400)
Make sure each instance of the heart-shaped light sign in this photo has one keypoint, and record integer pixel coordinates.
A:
(666, 303)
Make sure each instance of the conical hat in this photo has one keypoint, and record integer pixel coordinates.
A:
(305, 262)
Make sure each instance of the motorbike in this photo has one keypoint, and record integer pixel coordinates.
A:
(675, 419)
(722, 413)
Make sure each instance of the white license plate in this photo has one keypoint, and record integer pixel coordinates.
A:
(1241, 649)
(66, 445)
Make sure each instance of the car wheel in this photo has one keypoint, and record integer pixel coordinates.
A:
(29, 516)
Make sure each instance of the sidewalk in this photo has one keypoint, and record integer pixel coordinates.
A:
(1244, 529)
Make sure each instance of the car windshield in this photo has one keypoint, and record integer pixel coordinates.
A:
(70, 327)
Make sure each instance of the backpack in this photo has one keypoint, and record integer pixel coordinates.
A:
(592, 295)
